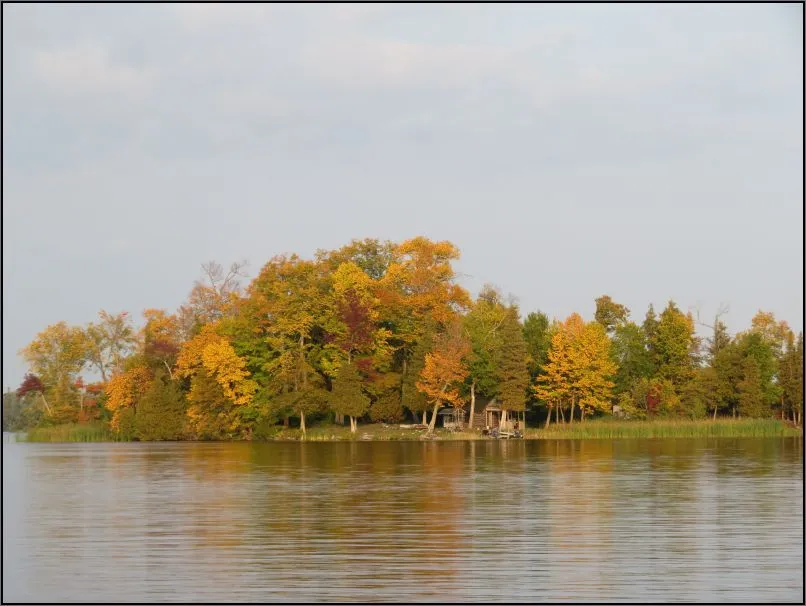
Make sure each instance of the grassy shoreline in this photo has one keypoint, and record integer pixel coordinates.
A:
(600, 429)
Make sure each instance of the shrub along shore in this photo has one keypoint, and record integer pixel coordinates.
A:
(599, 429)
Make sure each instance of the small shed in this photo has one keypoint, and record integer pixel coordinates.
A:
(452, 418)
(492, 415)
(497, 418)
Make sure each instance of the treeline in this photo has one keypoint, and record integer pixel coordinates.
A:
(382, 332)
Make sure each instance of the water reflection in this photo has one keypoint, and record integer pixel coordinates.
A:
(670, 520)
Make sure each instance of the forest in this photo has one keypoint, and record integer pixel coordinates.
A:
(381, 332)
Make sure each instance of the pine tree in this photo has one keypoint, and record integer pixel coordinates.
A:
(513, 371)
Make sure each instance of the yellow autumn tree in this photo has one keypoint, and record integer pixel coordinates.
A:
(553, 387)
(579, 367)
(596, 367)
(57, 355)
(124, 390)
(210, 357)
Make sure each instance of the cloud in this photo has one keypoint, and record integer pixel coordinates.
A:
(87, 67)
(201, 17)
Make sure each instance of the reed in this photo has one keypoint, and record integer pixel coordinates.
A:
(73, 432)
(662, 428)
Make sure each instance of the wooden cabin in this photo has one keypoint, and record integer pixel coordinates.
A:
(492, 417)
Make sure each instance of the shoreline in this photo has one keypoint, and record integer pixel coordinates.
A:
(600, 429)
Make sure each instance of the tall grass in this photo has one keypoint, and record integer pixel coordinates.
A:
(601, 429)
(672, 428)
(72, 432)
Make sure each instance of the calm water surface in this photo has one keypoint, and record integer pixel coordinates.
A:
(668, 520)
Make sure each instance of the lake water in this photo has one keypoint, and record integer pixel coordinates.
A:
(663, 520)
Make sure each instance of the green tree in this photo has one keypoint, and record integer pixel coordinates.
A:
(752, 400)
(161, 412)
(411, 397)
(512, 365)
(631, 355)
(719, 340)
(610, 314)
(537, 334)
(791, 378)
(347, 397)
(674, 346)
(483, 327)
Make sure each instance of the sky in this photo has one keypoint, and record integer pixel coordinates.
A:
(645, 152)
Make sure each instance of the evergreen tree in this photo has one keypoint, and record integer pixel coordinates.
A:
(347, 397)
(411, 397)
(513, 372)
(674, 346)
(790, 378)
(537, 334)
(161, 412)
(752, 401)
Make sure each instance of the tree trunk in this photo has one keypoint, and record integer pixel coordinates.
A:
(339, 418)
(433, 422)
(557, 413)
(582, 408)
(353, 424)
(472, 403)
(425, 417)
(562, 414)
(47, 406)
(302, 422)
(715, 407)
(573, 401)
(548, 419)
(286, 422)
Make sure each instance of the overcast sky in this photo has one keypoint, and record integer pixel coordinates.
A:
(645, 152)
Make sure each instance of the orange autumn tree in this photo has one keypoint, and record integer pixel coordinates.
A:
(419, 297)
(444, 370)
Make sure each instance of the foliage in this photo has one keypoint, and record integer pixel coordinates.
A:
(124, 392)
(537, 334)
(580, 367)
(109, 342)
(161, 412)
(347, 397)
(387, 408)
(512, 364)
(610, 314)
(444, 368)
